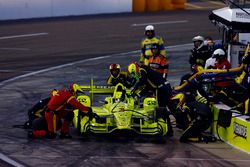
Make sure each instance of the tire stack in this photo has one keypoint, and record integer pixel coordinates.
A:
(179, 4)
(166, 4)
(152, 5)
(140, 6)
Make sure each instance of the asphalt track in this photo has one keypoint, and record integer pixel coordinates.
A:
(40, 55)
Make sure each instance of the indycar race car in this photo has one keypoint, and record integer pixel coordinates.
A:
(120, 112)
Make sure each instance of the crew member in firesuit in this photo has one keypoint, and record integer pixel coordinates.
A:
(151, 38)
(200, 53)
(226, 90)
(162, 87)
(244, 80)
(221, 63)
(132, 74)
(116, 75)
(60, 108)
(38, 110)
(158, 62)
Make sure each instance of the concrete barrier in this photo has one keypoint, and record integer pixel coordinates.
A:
(25, 9)
(179, 4)
(235, 131)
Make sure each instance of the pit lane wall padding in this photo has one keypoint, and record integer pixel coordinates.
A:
(237, 134)
(26, 9)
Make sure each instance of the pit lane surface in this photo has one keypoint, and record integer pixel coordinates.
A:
(81, 40)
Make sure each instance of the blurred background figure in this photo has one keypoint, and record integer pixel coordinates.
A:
(200, 53)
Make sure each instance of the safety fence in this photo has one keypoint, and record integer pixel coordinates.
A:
(157, 5)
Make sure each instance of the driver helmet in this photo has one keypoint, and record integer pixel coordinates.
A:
(133, 70)
(115, 70)
(150, 31)
(75, 88)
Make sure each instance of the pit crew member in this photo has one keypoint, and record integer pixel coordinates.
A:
(60, 107)
(158, 62)
(146, 43)
(162, 88)
(200, 53)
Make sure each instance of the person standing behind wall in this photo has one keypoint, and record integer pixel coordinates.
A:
(146, 43)
(200, 53)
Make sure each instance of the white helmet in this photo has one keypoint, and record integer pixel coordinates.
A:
(218, 53)
(149, 28)
(198, 38)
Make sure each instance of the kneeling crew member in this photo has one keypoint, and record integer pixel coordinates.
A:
(58, 109)
(162, 87)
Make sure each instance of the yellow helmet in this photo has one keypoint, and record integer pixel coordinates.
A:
(54, 92)
(75, 88)
(133, 69)
(180, 97)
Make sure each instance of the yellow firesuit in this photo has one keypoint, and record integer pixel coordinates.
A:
(146, 48)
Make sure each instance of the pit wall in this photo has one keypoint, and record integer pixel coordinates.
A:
(27, 9)
(237, 133)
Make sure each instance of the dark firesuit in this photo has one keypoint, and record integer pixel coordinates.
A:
(162, 87)
(193, 114)
(38, 110)
(246, 82)
(200, 55)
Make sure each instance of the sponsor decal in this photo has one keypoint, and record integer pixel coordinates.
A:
(242, 15)
(240, 130)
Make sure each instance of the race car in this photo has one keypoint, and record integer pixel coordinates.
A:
(120, 112)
